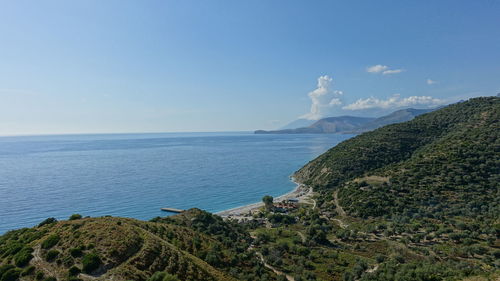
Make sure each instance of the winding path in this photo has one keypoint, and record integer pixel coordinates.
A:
(279, 272)
(302, 236)
(339, 208)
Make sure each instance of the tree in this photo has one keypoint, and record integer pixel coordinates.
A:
(75, 217)
(90, 262)
(268, 202)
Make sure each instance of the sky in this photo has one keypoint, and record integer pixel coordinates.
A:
(223, 65)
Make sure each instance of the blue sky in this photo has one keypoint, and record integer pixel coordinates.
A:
(164, 66)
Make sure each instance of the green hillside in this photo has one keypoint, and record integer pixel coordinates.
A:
(432, 183)
(111, 248)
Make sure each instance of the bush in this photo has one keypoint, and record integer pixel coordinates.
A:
(11, 275)
(50, 279)
(90, 262)
(51, 255)
(75, 217)
(47, 221)
(74, 271)
(23, 257)
(75, 252)
(39, 275)
(51, 241)
(157, 276)
(170, 277)
(4, 268)
(28, 270)
(12, 248)
(379, 258)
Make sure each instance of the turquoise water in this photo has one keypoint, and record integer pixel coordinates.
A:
(134, 175)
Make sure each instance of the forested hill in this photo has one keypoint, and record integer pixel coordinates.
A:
(446, 162)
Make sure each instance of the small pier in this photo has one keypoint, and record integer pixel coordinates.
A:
(172, 210)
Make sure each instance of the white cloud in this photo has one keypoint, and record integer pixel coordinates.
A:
(377, 68)
(393, 102)
(431, 82)
(392, 71)
(384, 69)
(323, 99)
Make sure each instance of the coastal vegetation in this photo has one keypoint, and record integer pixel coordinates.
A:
(412, 201)
(268, 202)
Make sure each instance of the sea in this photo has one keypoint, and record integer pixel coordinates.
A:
(134, 175)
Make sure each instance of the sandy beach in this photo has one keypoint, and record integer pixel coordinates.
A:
(301, 192)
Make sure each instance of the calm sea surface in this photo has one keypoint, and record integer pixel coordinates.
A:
(133, 175)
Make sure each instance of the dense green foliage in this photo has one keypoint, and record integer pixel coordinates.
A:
(51, 255)
(75, 217)
(395, 143)
(91, 262)
(445, 163)
(23, 257)
(50, 241)
(432, 183)
(268, 202)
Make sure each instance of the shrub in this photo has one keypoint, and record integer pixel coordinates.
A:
(28, 270)
(11, 275)
(4, 268)
(51, 255)
(23, 257)
(157, 276)
(75, 217)
(170, 277)
(75, 252)
(379, 258)
(74, 271)
(90, 262)
(39, 275)
(50, 279)
(51, 241)
(47, 221)
(12, 248)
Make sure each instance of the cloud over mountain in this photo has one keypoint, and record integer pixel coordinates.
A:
(323, 99)
(396, 101)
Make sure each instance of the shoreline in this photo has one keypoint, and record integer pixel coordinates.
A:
(300, 192)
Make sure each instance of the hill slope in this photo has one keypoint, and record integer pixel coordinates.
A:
(430, 186)
(399, 116)
(111, 248)
(445, 162)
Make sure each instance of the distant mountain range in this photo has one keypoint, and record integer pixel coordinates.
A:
(299, 123)
(347, 124)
